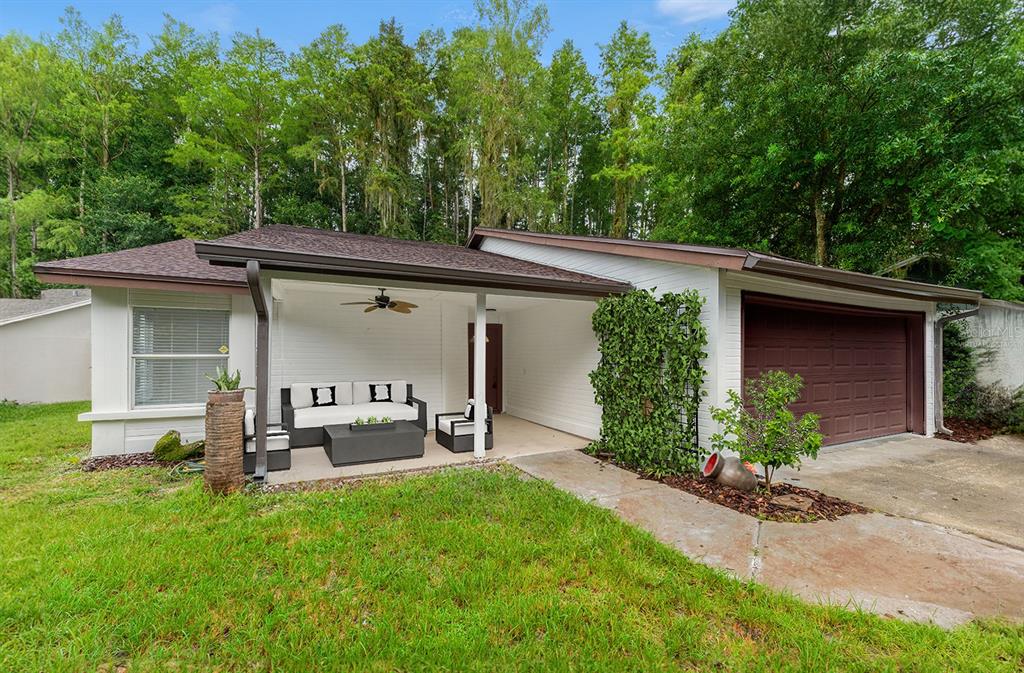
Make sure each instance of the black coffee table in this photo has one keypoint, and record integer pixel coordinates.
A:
(344, 446)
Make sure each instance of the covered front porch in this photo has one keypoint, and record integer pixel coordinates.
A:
(387, 317)
(515, 437)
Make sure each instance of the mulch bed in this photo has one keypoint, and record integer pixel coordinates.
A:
(759, 504)
(966, 432)
(100, 463)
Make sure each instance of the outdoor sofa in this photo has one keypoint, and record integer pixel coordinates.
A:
(305, 417)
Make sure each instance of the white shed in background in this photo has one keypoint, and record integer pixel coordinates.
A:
(45, 347)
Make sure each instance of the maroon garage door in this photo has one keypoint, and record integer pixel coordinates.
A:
(863, 370)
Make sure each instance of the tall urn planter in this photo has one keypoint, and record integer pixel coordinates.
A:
(224, 417)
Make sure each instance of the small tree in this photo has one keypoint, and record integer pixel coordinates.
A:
(762, 429)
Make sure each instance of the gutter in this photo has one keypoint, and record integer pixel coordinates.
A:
(862, 282)
(940, 413)
(252, 276)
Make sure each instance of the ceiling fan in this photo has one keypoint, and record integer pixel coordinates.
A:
(382, 301)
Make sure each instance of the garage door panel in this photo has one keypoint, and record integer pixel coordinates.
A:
(854, 367)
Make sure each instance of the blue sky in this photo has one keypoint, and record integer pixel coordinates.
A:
(294, 23)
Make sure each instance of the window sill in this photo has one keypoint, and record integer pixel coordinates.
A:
(190, 411)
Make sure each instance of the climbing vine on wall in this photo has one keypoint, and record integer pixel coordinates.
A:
(650, 380)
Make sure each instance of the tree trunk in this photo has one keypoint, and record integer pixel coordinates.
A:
(257, 197)
(13, 228)
(105, 139)
(344, 201)
(81, 190)
(819, 230)
(619, 224)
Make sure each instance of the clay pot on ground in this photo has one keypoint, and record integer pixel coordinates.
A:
(224, 416)
(729, 472)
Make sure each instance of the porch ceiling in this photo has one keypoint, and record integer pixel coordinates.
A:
(300, 249)
(283, 288)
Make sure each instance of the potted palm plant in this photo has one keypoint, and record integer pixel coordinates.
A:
(225, 412)
(226, 386)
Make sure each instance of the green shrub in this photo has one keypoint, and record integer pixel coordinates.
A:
(649, 380)
(169, 448)
(768, 434)
(996, 406)
(169, 444)
(959, 374)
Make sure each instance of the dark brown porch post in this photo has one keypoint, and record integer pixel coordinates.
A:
(252, 276)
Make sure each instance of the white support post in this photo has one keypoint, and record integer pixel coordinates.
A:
(479, 376)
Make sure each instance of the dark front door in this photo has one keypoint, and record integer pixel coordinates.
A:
(493, 374)
(862, 370)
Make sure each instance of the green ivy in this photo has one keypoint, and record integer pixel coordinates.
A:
(650, 380)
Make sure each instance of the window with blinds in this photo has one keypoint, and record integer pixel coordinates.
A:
(172, 350)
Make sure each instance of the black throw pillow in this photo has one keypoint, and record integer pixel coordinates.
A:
(324, 397)
(380, 392)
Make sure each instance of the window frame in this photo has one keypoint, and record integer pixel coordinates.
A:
(133, 357)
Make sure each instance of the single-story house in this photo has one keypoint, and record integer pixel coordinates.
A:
(288, 305)
(44, 347)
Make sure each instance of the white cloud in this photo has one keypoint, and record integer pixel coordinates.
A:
(691, 11)
(219, 17)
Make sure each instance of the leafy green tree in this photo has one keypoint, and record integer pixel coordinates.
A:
(323, 108)
(762, 429)
(27, 86)
(389, 94)
(572, 117)
(497, 88)
(852, 133)
(235, 114)
(628, 64)
(101, 91)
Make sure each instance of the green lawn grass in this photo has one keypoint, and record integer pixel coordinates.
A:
(459, 570)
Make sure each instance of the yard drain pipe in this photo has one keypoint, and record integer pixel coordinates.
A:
(940, 415)
(252, 277)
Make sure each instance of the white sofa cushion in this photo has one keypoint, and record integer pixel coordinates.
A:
(302, 393)
(276, 441)
(361, 391)
(312, 417)
(445, 426)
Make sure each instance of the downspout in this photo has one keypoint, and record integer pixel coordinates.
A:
(940, 416)
(252, 277)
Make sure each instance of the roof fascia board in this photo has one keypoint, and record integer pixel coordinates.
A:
(49, 311)
(292, 261)
(863, 282)
(716, 259)
(78, 277)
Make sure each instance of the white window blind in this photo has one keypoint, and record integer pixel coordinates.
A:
(172, 350)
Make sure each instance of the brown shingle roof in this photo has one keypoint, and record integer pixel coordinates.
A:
(735, 259)
(377, 250)
(175, 261)
(281, 246)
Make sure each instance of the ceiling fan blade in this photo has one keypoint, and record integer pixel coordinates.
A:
(400, 309)
(404, 303)
(370, 308)
(357, 303)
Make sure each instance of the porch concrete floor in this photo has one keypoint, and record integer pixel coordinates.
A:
(512, 437)
(878, 562)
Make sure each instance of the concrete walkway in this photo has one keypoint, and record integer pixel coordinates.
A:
(890, 565)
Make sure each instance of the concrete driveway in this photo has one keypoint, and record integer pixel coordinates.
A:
(976, 489)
